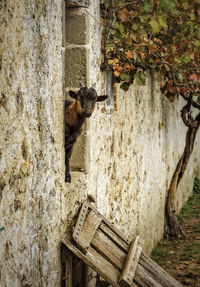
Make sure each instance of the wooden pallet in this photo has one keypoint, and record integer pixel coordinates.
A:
(106, 250)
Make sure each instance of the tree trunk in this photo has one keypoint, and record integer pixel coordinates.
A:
(172, 221)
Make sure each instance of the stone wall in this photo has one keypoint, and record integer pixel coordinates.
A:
(133, 146)
(140, 143)
(128, 153)
(31, 142)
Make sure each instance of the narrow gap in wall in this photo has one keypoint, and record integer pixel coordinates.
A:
(76, 71)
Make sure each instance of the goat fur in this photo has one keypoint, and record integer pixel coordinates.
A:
(75, 115)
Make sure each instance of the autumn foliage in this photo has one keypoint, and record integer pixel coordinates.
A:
(161, 35)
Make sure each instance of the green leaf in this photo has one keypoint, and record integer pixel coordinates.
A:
(110, 47)
(147, 7)
(167, 5)
(125, 77)
(135, 26)
(186, 59)
(140, 78)
(125, 86)
(119, 27)
(192, 16)
(155, 25)
(197, 44)
(163, 22)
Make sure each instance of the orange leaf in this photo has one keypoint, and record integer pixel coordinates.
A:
(157, 60)
(130, 54)
(171, 88)
(116, 73)
(123, 15)
(118, 68)
(157, 41)
(127, 66)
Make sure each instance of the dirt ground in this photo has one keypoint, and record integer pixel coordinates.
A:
(181, 257)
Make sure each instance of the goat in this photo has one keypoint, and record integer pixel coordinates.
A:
(75, 114)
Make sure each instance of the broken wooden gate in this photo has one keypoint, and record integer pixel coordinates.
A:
(106, 250)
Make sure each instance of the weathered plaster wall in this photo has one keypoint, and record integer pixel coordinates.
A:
(31, 142)
(131, 149)
(134, 148)
(140, 143)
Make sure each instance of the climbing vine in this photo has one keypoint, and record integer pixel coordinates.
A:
(156, 35)
(162, 36)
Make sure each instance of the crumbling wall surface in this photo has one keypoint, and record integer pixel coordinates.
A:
(134, 147)
(139, 144)
(31, 142)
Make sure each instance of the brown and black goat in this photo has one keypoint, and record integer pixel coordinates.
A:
(75, 114)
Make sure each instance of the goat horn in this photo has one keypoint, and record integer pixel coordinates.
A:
(82, 85)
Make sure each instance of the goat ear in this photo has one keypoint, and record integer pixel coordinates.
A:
(73, 94)
(102, 98)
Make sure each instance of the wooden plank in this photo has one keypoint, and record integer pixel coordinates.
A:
(132, 258)
(68, 270)
(135, 261)
(89, 228)
(81, 219)
(109, 250)
(115, 230)
(124, 245)
(95, 261)
(158, 273)
(143, 278)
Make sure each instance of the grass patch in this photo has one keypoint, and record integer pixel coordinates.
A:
(159, 254)
(194, 271)
(191, 252)
(188, 210)
(196, 185)
(197, 228)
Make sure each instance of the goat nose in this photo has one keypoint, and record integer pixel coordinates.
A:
(88, 112)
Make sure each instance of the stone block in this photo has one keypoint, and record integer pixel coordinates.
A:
(77, 31)
(80, 153)
(77, 161)
(77, 66)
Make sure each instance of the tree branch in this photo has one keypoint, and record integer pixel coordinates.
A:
(197, 91)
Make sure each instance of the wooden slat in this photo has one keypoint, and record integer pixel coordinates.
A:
(144, 279)
(124, 245)
(115, 230)
(132, 258)
(88, 230)
(81, 219)
(158, 273)
(68, 270)
(109, 250)
(95, 261)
